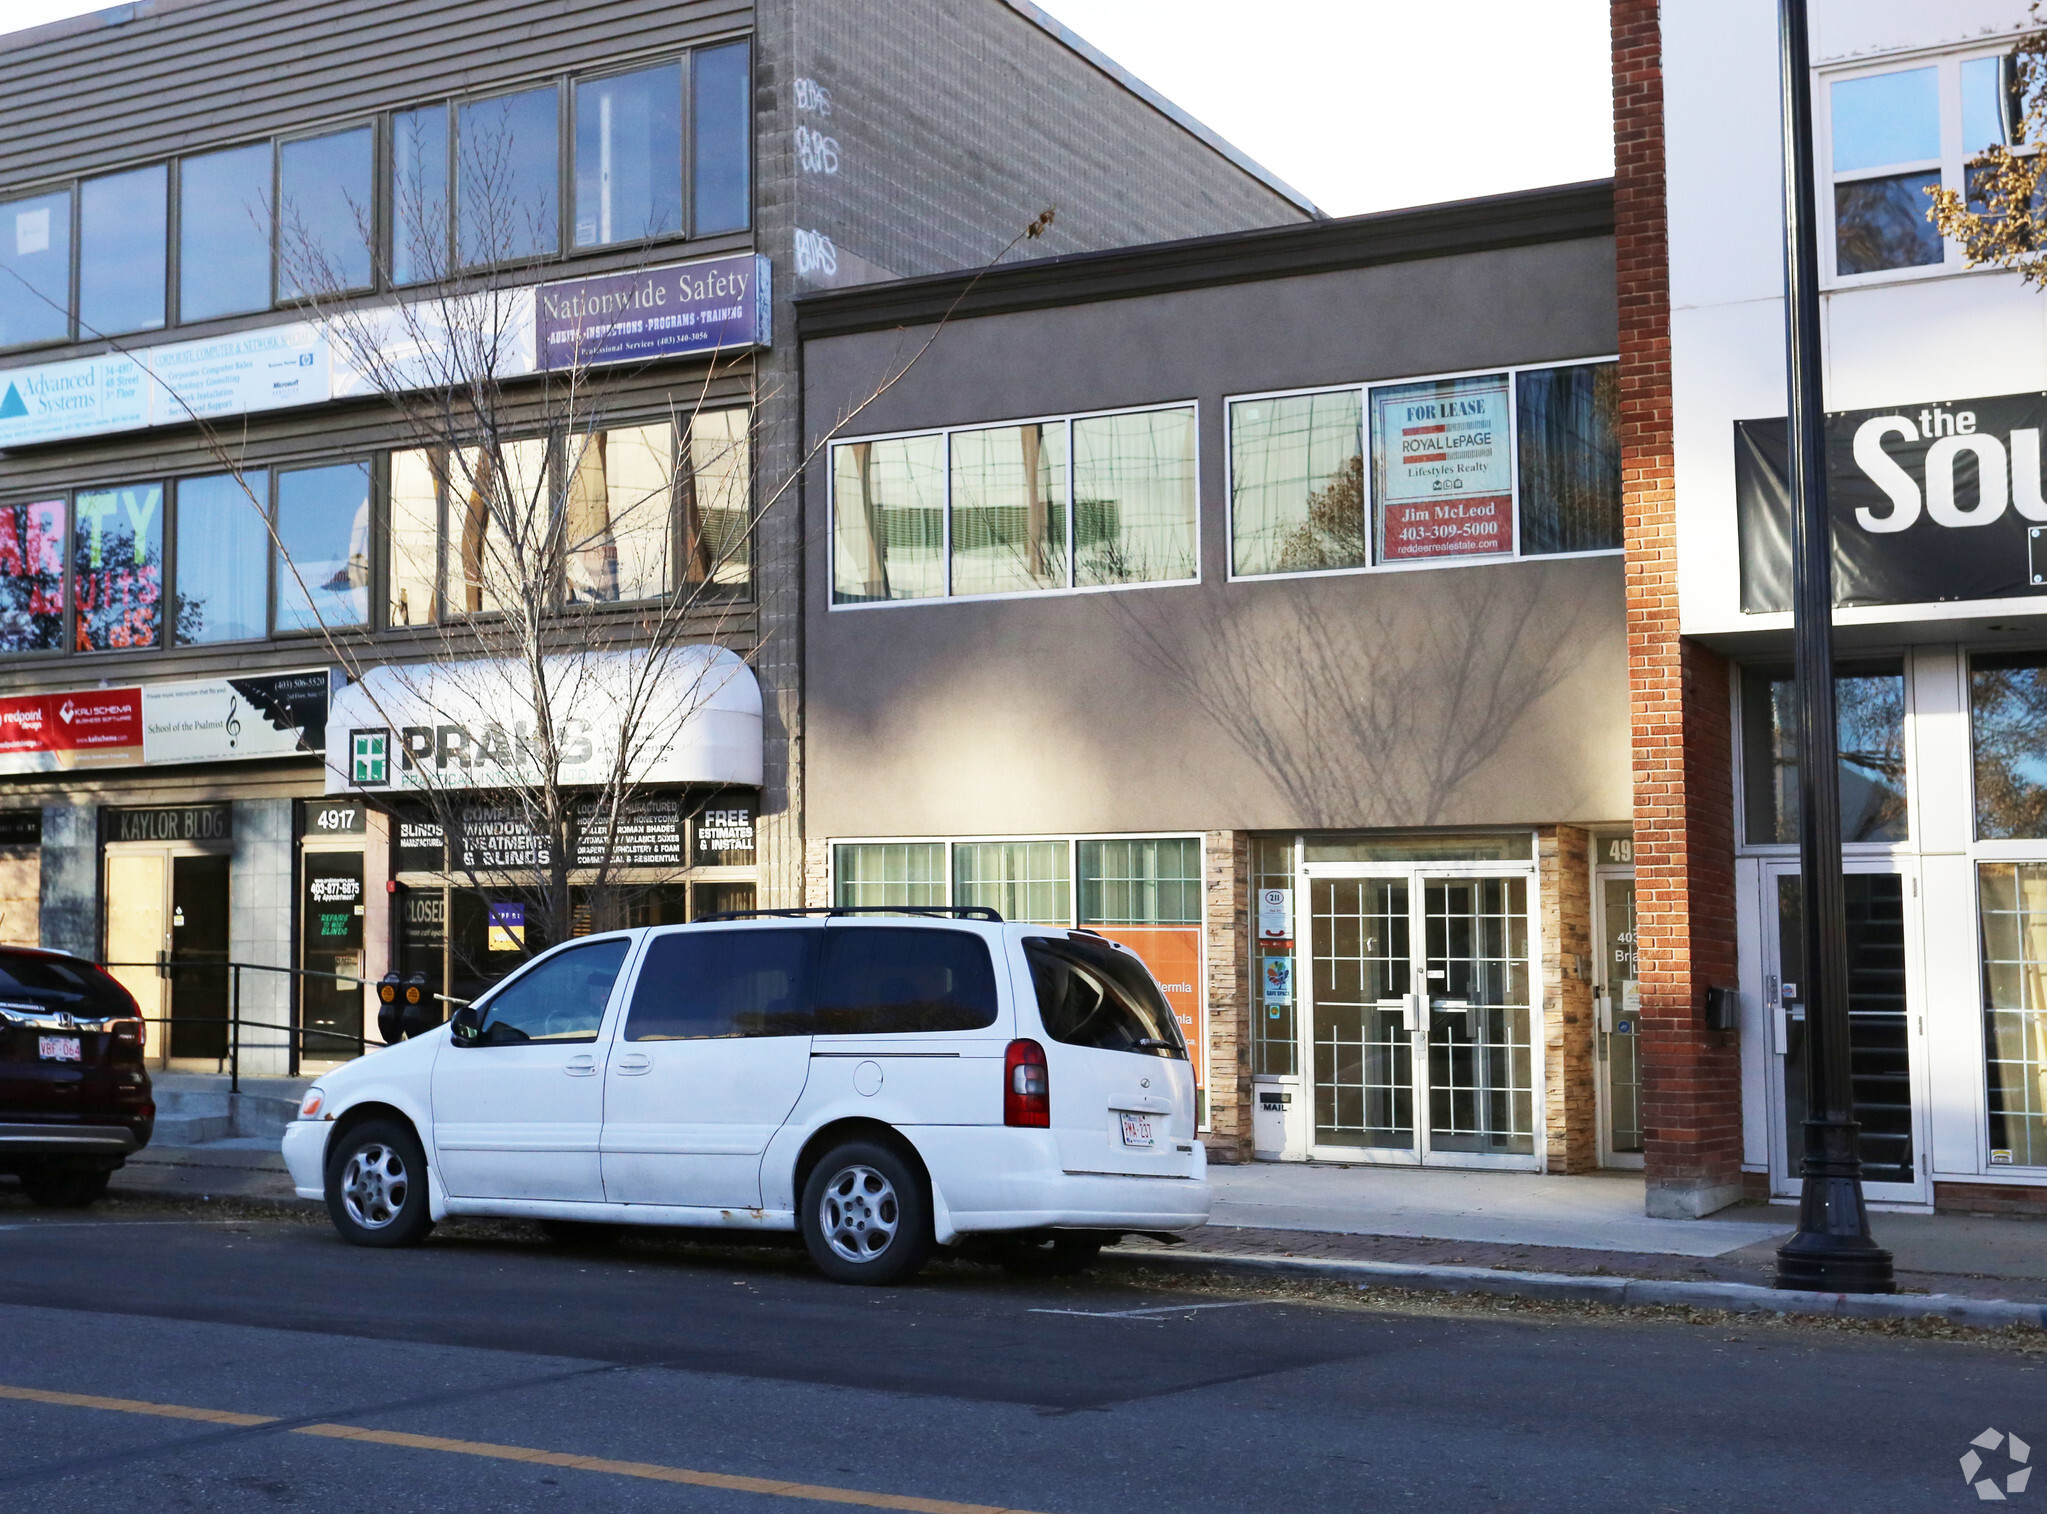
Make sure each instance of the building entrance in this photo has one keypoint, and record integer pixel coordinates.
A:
(1886, 1056)
(167, 923)
(1419, 1016)
(1617, 1005)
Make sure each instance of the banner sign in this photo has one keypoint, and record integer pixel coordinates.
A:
(202, 720)
(720, 304)
(1929, 503)
(1443, 465)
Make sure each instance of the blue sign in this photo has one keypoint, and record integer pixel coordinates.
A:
(719, 305)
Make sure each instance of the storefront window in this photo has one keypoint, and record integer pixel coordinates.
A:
(889, 502)
(1140, 882)
(2008, 729)
(419, 195)
(2014, 926)
(629, 157)
(721, 134)
(1870, 701)
(123, 241)
(1273, 994)
(224, 233)
(1019, 880)
(890, 873)
(323, 547)
(1570, 446)
(32, 576)
(414, 524)
(324, 230)
(35, 269)
(1134, 497)
(1297, 483)
(1009, 509)
(223, 548)
(506, 173)
(619, 516)
(716, 499)
(117, 568)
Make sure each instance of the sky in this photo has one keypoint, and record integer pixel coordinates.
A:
(1359, 104)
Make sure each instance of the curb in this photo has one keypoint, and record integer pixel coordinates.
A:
(1621, 1292)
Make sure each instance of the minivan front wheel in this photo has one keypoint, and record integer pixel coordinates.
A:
(376, 1186)
(866, 1217)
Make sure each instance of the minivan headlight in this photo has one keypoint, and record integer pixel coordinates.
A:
(312, 1103)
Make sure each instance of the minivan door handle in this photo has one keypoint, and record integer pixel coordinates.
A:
(580, 1067)
(632, 1064)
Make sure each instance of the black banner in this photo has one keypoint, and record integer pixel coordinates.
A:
(1930, 503)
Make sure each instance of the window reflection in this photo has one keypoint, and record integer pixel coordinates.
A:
(1870, 708)
(224, 233)
(721, 131)
(117, 568)
(123, 241)
(618, 514)
(2008, 731)
(323, 538)
(32, 576)
(629, 157)
(1297, 483)
(1570, 456)
(1882, 223)
(1009, 509)
(889, 503)
(715, 498)
(498, 510)
(506, 173)
(419, 195)
(35, 269)
(1881, 119)
(324, 230)
(222, 556)
(415, 540)
(1133, 497)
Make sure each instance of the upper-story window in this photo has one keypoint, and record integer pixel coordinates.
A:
(1076, 502)
(569, 164)
(1893, 135)
(1519, 463)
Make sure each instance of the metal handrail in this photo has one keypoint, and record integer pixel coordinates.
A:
(294, 1035)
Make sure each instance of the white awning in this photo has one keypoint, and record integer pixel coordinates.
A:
(686, 715)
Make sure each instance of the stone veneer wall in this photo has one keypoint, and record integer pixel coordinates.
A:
(1569, 1039)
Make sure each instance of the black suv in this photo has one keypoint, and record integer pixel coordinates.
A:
(74, 1095)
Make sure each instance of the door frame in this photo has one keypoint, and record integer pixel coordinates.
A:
(1602, 874)
(158, 1052)
(1416, 875)
(1785, 1184)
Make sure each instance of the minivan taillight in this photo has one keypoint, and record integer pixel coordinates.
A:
(1026, 1086)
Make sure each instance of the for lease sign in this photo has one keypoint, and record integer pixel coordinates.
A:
(1444, 460)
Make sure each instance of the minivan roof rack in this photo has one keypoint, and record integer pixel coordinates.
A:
(944, 911)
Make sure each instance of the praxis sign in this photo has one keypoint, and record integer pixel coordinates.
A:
(1932, 502)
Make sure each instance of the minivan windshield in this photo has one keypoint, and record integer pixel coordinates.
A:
(1090, 994)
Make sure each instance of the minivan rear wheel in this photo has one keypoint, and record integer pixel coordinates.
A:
(376, 1186)
(866, 1216)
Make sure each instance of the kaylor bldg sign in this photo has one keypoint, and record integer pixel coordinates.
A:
(721, 305)
(1933, 502)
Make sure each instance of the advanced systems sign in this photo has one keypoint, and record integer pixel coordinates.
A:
(203, 720)
(1930, 503)
(721, 304)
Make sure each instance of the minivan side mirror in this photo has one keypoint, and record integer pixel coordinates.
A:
(466, 1025)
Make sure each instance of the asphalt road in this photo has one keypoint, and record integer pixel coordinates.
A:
(345, 1380)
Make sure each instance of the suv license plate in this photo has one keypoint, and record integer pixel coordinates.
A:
(1137, 1131)
(61, 1049)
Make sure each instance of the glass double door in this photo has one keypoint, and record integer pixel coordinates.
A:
(1883, 1030)
(1419, 1018)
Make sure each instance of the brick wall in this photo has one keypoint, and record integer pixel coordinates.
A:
(1681, 708)
(1227, 857)
(1571, 1100)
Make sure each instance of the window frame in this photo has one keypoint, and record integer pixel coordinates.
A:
(684, 64)
(174, 487)
(1363, 389)
(374, 122)
(1065, 420)
(1952, 164)
(70, 189)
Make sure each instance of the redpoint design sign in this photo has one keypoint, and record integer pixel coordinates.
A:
(1443, 459)
(41, 733)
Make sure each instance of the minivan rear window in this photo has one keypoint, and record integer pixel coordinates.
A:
(880, 980)
(1090, 994)
(708, 984)
(54, 983)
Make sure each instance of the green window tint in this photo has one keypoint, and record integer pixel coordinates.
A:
(889, 873)
(1009, 509)
(1297, 483)
(1019, 880)
(1141, 882)
(1134, 497)
(1273, 998)
(888, 501)
(1570, 454)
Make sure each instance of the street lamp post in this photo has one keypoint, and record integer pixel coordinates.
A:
(1833, 1250)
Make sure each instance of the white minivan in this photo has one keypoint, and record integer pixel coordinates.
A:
(882, 1083)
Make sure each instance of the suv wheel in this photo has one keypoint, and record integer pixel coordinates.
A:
(64, 1187)
(865, 1215)
(376, 1186)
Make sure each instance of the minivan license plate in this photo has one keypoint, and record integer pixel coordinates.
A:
(65, 1049)
(1137, 1131)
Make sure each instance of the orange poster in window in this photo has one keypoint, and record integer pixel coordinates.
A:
(1173, 953)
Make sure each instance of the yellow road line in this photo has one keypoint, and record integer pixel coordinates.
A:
(650, 1471)
(136, 1406)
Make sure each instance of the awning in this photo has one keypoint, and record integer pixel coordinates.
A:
(688, 715)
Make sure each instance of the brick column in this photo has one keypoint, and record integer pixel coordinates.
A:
(1680, 701)
(1564, 877)
(817, 874)
(1228, 902)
